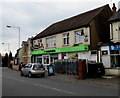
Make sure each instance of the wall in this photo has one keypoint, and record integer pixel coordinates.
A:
(115, 31)
(59, 38)
(23, 54)
(28, 54)
(115, 72)
(99, 28)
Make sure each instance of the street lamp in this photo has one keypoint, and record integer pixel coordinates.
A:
(19, 33)
(8, 46)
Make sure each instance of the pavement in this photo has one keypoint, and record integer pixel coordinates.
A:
(112, 81)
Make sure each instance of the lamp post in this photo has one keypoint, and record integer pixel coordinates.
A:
(19, 33)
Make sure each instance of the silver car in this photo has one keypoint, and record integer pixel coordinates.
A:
(32, 69)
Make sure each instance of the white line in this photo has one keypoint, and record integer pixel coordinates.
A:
(40, 85)
(55, 89)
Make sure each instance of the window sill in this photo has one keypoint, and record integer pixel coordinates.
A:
(79, 43)
(49, 47)
(65, 45)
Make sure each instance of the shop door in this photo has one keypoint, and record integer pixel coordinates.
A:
(46, 59)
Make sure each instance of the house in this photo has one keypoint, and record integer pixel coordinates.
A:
(111, 51)
(16, 59)
(24, 52)
(75, 37)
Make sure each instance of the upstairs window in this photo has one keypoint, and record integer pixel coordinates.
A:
(50, 42)
(111, 32)
(66, 39)
(79, 36)
(39, 42)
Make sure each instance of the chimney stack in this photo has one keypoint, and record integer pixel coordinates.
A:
(114, 8)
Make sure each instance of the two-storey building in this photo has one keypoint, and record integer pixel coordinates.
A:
(75, 37)
(111, 51)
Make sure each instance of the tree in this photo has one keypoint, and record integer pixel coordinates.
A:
(10, 59)
(5, 60)
(10, 56)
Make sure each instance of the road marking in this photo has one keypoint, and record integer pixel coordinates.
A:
(55, 89)
(40, 85)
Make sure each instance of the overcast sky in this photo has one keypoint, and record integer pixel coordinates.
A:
(33, 17)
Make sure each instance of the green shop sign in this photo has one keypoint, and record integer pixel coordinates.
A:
(60, 50)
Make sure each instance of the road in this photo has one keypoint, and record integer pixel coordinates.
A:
(15, 85)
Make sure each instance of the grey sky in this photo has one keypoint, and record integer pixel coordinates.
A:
(33, 17)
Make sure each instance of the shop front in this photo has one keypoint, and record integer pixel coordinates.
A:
(115, 56)
(50, 55)
(111, 58)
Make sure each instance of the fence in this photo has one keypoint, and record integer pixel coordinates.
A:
(66, 66)
(79, 67)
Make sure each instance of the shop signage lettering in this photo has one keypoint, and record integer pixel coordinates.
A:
(50, 51)
(114, 47)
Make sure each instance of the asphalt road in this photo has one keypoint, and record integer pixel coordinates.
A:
(15, 85)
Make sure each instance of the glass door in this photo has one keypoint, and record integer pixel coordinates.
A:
(46, 59)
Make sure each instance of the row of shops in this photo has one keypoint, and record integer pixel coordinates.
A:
(109, 55)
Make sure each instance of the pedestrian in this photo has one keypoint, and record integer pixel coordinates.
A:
(20, 66)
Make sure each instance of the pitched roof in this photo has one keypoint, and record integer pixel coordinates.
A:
(75, 22)
(115, 17)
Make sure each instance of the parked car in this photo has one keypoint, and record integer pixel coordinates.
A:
(33, 69)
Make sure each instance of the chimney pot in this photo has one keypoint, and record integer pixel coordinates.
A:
(114, 8)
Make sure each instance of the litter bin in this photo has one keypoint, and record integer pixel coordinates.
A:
(95, 70)
(82, 69)
(50, 70)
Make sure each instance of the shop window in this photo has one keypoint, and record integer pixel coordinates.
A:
(115, 61)
(66, 39)
(114, 52)
(79, 36)
(115, 58)
(94, 52)
(39, 60)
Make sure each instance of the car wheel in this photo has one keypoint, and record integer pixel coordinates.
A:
(21, 73)
(30, 75)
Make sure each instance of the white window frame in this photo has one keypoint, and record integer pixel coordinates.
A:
(39, 41)
(45, 57)
(66, 39)
(51, 42)
(79, 37)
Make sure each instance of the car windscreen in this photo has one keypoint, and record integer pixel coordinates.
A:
(37, 66)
